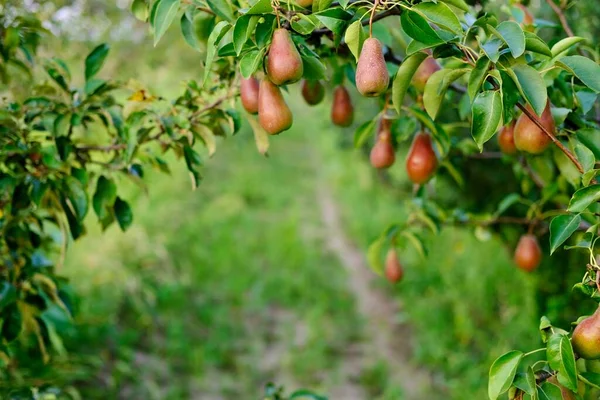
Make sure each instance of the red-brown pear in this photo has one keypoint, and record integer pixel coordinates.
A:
(528, 136)
(506, 139)
(313, 92)
(342, 110)
(249, 94)
(372, 76)
(393, 269)
(528, 254)
(421, 162)
(274, 114)
(284, 64)
(586, 337)
(425, 70)
(382, 154)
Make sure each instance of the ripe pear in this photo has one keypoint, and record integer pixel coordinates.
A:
(372, 76)
(313, 92)
(284, 64)
(305, 3)
(393, 269)
(425, 70)
(249, 94)
(506, 139)
(528, 254)
(421, 162)
(342, 110)
(382, 153)
(274, 114)
(586, 337)
(528, 136)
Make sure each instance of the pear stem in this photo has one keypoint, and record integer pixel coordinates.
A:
(375, 5)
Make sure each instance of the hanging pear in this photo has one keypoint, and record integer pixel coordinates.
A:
(249, 94)
(342, 110)
(382, 154)
(274, 114)
(528, 254)
(425, 70)
(313, 92)
(393, 269)
(506, 139)
(372, 76)
(586, 337)
(421, 161)
(284, 64)
(528, 136)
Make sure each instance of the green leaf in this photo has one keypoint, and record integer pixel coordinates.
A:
(492, 49)
(583, 198)
(512, 34)
(251, 62)
(364, 132)
(304, 24)
(12, 323)
(188, 31)
(261, 137)
(526, 381)
(486, 116)
(354, 37)
(222, 8)
(403, 78)
(261, 7)
(436, 88)
(561, 228)
(320, 5)
(213, 41)
(585, 156)
(242, 31)
(164, 14)
(77, 197)
(502, 373)
(95, 60)
(193, 162)
(583, 68)
(8, 294)
(549, 391)
(531, 85)
(507, 202)
(313, 68)
(123, 213)
(478, 75)
(535, 44)
(416, 242)
(441, 15)
(565, 44)
(561, 358)
(591, 139)
(592, 377)
(374, 255)
(419, 29)
(104, 199)
(334, 19)
(460, 4)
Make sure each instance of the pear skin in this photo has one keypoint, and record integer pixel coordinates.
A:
(528, 136)
(284, 64)
(528, 254)
(274, 114)
(372, 76)
(249, 94)
(313, 92)
(382, 154)
(425, 70)
(421, 161)
(393, 269)
(342, 110)
(506, 139)
(586, 337)
(305, 3)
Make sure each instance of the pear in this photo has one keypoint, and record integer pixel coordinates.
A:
(528, 136)
(421, 161)
(249, 94)
(313, 92)
(342, 110)
(284, 64)
(382, 153)
(305, 3)
(425, 70)
(372, 76)
(393, 269)
(528, 254)
(274, 114)
(506, 139)
(586, 337)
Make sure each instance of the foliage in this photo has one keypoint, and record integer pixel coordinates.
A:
(492, 68)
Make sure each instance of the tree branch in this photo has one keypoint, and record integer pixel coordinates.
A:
(561, 16)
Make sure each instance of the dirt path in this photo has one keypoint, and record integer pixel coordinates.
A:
(386, 339)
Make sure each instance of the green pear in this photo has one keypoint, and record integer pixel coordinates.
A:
(284, 64)
(372, 76)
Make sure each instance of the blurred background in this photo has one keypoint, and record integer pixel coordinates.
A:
(260, 275)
